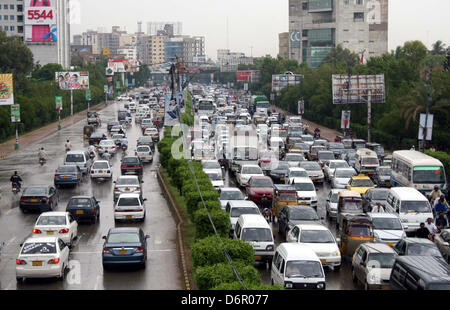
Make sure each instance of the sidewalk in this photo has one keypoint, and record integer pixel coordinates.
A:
(7, 148)
(326, 133)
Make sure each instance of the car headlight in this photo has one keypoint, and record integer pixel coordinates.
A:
(269, 248)
(288, 285)
(320, 286)
(337, 253)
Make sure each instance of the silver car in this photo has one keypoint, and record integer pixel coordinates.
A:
(332, 203)
(129, 184)
(341, 177)
(314, 171)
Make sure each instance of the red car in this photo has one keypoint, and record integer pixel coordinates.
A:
(260, 190)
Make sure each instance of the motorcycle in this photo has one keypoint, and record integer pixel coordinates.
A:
(42, 161)
(15, 188)
(316, 135)
(124, 147)
(267, 213)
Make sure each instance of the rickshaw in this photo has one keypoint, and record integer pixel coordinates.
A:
(88, 131)
(349, 202)
(284, 195)
(356, 229)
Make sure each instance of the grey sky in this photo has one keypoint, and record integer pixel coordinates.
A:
(254, 22)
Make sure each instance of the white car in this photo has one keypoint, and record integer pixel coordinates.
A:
(107, 146)
(295, 172)
(212, 166)
(387, 228)
(58, 224)
(341, 177)
(152, 132)
(101, 169)
(308, 139)
(127, 184)
(331, 166)
(216, 179)
(43, 257)
(306, 192)
(145, 154)
(117, 138)
(130, 207)
(246, 172)
(230, 194)
(319, 239)
(115, 129)
(332, 203)
(294, 159)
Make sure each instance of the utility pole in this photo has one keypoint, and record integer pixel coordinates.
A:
(369, 115)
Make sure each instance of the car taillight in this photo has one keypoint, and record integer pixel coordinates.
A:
(135, 153)
(44, 199)
(116, 189)
(106, 251)
(124, 166)
(109, 171)
(64, 231)
(56, 176)
(138, 188)
(75, 175)
(37, 231)
(23, 198)
(53, 261)
(92, 211)
(113, 147)
(20, 262)
(140, 250)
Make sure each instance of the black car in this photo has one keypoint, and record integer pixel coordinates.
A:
(96, 137)
(84, 208)
(294, 215)
(131, 165)
(279, 173)
(417, 247)
(373, 196)
(112, 124)
(39, 198)
(125, 246)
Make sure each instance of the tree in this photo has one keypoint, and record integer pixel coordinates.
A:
(47, 72)
(15, 56)
(339, 55)
(438, 48)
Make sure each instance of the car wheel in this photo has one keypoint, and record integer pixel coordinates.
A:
(337, 268)
(366, 286)
(354, 278)
(63, 273)
(144, 265)
(94, 220)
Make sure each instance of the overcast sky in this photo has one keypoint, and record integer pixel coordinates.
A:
(253, 23)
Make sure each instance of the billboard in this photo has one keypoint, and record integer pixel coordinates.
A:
(280, 81)
(6, 89)
(171, 117)
(295, 39)
(356, 88)
(428, 126)
(15, 113)
(345, 119)
(199, 58)
(40, 21)
(120, 65)
(72, 80)
(249, 76)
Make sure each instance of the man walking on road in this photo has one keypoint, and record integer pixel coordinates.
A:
(68, 146)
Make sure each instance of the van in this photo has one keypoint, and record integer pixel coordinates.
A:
(296, 266)
(366, 161)
(236, 208)
(420, 273)
(412, 207)
(80, 159)
(255, 230)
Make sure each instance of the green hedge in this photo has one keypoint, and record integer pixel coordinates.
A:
(208, 277)
(443, 157)
(209, 251)
(220, 218)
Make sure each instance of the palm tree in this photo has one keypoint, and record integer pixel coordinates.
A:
(438, 48)
(415, 103)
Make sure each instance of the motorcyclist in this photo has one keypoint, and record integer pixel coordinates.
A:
(91, 150)
(441, 221)
(435, 194)
(68, 146)
(440, 207)
(16, 179)
(42, 154)
(317, 133)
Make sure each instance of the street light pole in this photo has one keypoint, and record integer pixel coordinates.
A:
(369, 115)
(71, 102)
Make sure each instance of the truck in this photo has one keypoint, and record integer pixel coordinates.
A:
(260, 104)
(243, 149)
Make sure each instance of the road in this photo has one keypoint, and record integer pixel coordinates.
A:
(86, 272)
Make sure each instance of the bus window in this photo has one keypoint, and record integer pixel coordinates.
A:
(429, 175)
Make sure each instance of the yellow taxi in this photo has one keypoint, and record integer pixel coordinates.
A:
(360, 183)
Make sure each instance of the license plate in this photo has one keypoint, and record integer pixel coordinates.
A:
(388, 184)
(370, 172)
(313, 179)
(127, 189)
(282, 179)
(50, 232)
(123, 252)
(37, 263)
(390, 244)
(264, 198)
(80, 212)
(303, 203)
(258, 258)
(130, 170)
(65, 177)
(34, 200)
(129, 217)
(385, 287)
(323, 261)
(106, 148)
(101, 171)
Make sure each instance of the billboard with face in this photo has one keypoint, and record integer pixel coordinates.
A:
(72, 80)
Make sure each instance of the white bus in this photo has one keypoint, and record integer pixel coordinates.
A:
(417, 170)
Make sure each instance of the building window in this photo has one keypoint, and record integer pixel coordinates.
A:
(6, 28)
(20, 18)
(359, 2)
(346, 2)
(20, 29)
(6, 17)
(13, 28)
(19, 8)
(11, 17)
(304, 33)
(304, 5)
(358, 16)
(11, 6)
(0, 17)
(5, 7)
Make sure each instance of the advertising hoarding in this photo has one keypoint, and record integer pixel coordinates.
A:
(345, 119)
(72, 80)
(120, 65)
(15, 113)
(6, 89)
(280, 81)
(295, 39)
(429, 126)
(58, 101)
(252, 76)
(172, 113)
(40, 21)
(355, 88)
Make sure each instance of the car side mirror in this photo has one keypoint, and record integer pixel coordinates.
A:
(142, 181)
(147, 236)
(145, 199)
(104, 237)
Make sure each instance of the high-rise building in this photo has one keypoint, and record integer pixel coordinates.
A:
(283, 50)
(46, 35)
(175, 27)
(230, 61)
(316, 26)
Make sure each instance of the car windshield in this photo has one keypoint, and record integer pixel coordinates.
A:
(352, 205)
(423, 249)
(294, 157)
(415, 206)
(267, 155)
(304, 187)
(51, 220)
(316, 236)
(387, 223)
(288, 197)
(211, 165)
(336, 146)
(429, 175)
(75, 158)
(35, 191)
(100, 165)
(231, 195)
(306, 214)
(344, 174)
(130, 160)
(123, 238)
(127, 181)
(359, 230)
(338, 164)
(128, 202)
(143, 149)
(79, 202)
(214, 176)
(303, 269)
(299, 174)
(262, 183)
(257, 234)
(301, 146)
(96, 135)
(251, 170)
(238, 211)
(307, 138)
(385, 171)
(370, 161)
(67, 169)
(282, 166)
(325, 156)
(106, 142)
(381, 260)
(39, 248)
(310, 166)
(362, 183)
(379, 194)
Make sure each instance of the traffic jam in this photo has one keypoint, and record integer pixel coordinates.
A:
(320, 212)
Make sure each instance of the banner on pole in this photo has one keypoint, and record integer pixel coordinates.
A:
(6, 89)
(429, 126)
(345, 119)
(15, 113)
(58, 100)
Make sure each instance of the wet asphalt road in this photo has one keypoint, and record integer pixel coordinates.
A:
(86, 272)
